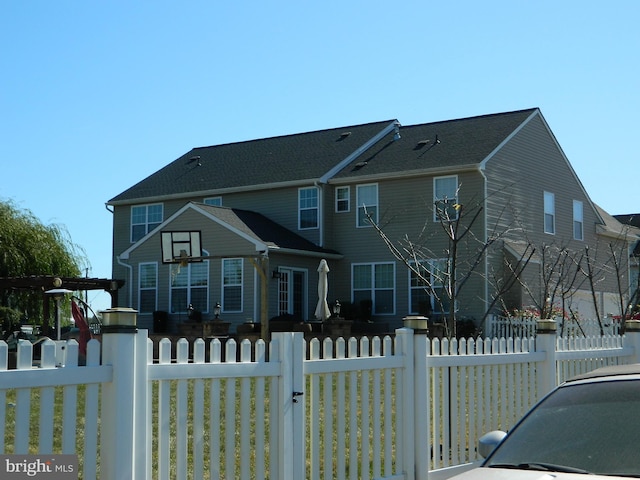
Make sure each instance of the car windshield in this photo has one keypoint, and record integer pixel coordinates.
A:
(590, 427)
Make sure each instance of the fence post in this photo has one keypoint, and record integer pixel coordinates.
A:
(122, 446)
(546, 342)
(291, 442)
(405, 345)
(421, 403)
(632, 338)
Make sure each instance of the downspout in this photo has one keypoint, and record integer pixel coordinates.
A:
(130, 281)
(486, 256)
(321, 190)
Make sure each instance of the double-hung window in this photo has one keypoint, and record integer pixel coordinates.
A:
(308, 208)
(232, 284)
(445, 198)
(342, 199)
(427, 294)
(367, 201)
(147, 287)
(578, 220)
(375, 282)
(549, 213)
(144, 218)
(190, 285)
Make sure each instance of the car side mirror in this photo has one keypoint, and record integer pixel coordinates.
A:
(489, 441)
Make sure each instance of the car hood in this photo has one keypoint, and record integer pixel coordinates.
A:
(511, 474)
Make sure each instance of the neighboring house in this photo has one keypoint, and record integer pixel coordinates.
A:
(280, 205)
(632, 221)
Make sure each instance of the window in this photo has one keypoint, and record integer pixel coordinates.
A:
(426, 300)
(144, 218)
(549, 213)
(578, 222)
(374, 282)
(190, 285)
(215, 201)
(445, 198)
(232, 284)
(292, 292)
(367, 201)
(342, 199)
(307, 208)
(147, 287)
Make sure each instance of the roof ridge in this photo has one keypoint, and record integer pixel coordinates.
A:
(290, 135)
(473, 117)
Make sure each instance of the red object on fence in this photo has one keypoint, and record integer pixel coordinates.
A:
(85, 333)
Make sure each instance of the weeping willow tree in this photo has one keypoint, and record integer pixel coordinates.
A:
(29, 247)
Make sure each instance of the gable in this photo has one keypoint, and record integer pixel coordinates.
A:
(237, 232)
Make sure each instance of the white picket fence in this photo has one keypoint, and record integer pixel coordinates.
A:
(497, 326)
(383, 408)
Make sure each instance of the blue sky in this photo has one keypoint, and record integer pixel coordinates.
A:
(95, 96)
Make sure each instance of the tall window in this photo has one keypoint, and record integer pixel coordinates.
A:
(232, 284)
(549, 213)
(374, 282)
(144, 218)
(342, 199)
(215, 201)
(190, 285)
(445, 198)
(147, 287)
(578, 222)
(367, 201)
(307, 208)
(433, 300)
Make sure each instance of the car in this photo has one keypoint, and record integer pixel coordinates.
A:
(589, 425)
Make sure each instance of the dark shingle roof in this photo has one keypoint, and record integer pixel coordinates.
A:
(256, 162)
(441, 145)
(309, 156)
(262, 229)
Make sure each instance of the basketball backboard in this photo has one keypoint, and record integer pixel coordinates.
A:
(181, 247)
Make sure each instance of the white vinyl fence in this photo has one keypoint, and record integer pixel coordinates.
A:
(383, 408)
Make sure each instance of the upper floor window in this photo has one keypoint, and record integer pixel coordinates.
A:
(215, 201)
(147, 287)
(367, 201)
(144, 218)
(549, 213)
(445, 198)
(578, 221)
(342, 199)
(232, 284)
(190, 286)
(307, 208)
(374, 282)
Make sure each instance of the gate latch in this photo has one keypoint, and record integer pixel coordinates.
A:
(296, 394)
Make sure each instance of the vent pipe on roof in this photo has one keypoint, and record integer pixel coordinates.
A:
(396, 135)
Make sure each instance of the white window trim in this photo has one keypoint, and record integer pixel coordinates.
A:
(549, 209)
(146, 219)
(316, 208)
(241, 284)
(373, 283)
(410, 289)
(578, 217)
(348, 199)
(140, 288)
(436, 199)
(359, 205)
(189, 287)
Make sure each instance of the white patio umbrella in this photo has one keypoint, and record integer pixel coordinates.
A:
(322, 309)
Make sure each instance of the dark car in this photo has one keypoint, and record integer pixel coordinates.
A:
(589, 425)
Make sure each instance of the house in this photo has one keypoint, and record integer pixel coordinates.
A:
(245, 225)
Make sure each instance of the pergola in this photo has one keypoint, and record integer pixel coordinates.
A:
(43, 283)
